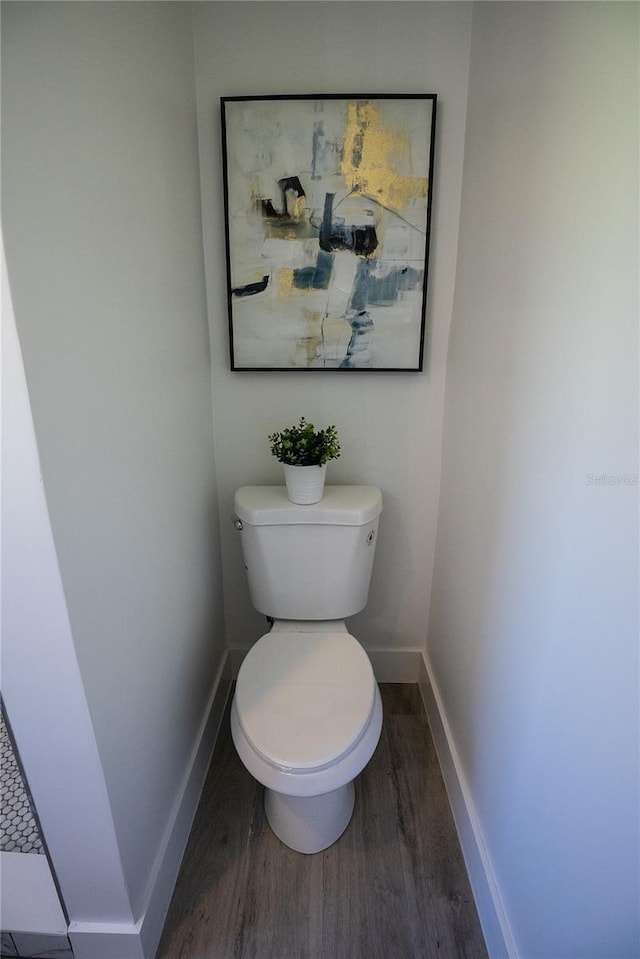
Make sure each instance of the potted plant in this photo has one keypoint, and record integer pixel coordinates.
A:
(304, 453)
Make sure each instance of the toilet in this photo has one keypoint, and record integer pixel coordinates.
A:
(306, 715)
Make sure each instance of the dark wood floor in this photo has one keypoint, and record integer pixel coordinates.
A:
(394, 886)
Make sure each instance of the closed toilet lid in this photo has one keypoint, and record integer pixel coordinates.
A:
(304, 699)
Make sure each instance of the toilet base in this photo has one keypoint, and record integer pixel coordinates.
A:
(310, 824)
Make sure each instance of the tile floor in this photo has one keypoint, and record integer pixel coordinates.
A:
(18, 827)
(19, 833)
(32, 946)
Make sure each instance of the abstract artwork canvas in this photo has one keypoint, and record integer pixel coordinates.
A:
(327, 215)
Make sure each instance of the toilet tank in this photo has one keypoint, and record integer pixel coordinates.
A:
(308, 562)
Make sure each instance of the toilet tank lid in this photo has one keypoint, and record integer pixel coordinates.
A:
(340, 506)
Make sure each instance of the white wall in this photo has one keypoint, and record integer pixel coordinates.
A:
(101, 218)
(389, 423)
(533, 640)
(38, 661)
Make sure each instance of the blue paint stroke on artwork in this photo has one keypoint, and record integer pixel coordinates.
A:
(382, 290)
(338, 235)
(326, 153)
(359, 350)
(324, 237)
(317, 144)
(250, 289)
(314, 277)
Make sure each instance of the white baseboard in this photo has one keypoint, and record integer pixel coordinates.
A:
(103, 940)
(396, 665)
(177, 833)
(493, 918)
(140, 940)
(389, 665)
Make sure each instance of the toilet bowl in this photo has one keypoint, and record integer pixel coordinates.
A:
(306, 718)
(306, 715)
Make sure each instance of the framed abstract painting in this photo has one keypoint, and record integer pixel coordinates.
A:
(327, 215)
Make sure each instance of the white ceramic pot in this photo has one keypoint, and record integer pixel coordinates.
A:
(305, 484)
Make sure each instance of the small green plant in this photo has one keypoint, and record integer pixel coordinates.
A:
(303, 445)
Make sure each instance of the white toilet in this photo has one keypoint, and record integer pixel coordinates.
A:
(306, 715)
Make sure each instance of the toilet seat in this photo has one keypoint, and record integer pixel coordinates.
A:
(304, 700)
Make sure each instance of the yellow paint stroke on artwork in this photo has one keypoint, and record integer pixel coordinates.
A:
(372, 153)
(284, 283)
(309, 345)
(275, 231)
(296, 205)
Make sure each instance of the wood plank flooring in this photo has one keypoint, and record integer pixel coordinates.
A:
(394, 886)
